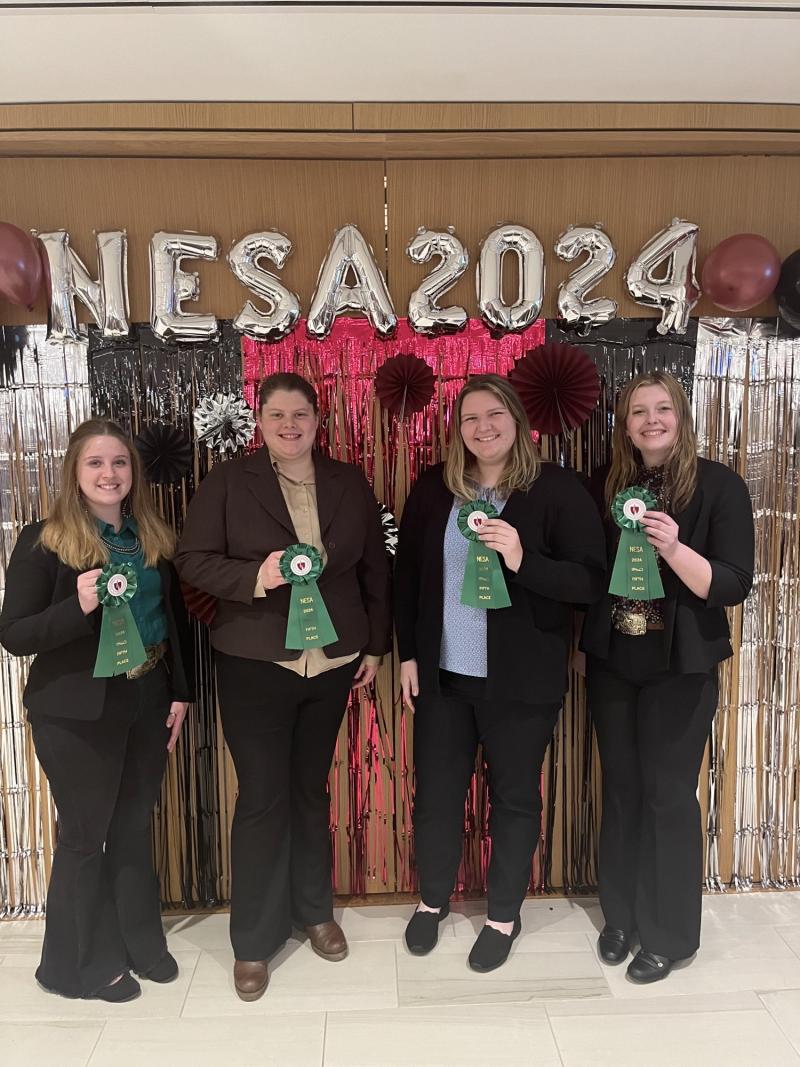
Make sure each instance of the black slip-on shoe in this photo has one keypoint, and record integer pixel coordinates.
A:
(127, 988)
(492, 948)
(166, 970)
(422, 931)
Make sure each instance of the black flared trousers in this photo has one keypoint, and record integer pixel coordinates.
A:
(103, 906)
(448, 728)
(651, 733)
(281, 730)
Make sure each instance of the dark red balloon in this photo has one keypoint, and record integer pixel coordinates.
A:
(741, 272)
(20, 266)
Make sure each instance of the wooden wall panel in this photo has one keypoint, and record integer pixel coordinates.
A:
(633, 198)
(307, 199)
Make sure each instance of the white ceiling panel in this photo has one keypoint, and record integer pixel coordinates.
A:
(384, 52)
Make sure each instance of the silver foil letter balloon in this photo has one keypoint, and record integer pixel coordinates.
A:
(424, 314)
(498, 316)
(673, 251)
(349, 254)
(106, 298)
(284, 307)
(573, 307)
(170, 286)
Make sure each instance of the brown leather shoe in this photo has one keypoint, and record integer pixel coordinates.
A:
(250, 978)
(328, 940)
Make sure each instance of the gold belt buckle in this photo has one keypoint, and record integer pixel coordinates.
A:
(631, 623)
(154, 653)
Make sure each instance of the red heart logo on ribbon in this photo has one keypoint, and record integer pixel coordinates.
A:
(301, 566)
(635, 509)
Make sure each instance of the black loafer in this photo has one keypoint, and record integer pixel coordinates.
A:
(492, 948)
(166, 970)
(613, 944)
(422, 931)
(648, 967)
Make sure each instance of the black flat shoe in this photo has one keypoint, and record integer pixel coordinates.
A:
(422, 931)
(648, 967)
(492, 948)
(127, 988)
(166, 970)
(613, 944)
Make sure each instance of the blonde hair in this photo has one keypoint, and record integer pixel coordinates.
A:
(522, 467)
(70, 531)
(680, 469)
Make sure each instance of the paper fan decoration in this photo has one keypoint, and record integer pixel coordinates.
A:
(404, 385)
(558, 385)
(165, 452)
(390, 531)
(224, 422)
(202, 605)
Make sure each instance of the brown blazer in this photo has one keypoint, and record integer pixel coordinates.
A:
(238, 516)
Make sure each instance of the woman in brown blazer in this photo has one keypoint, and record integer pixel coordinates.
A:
(281, 709)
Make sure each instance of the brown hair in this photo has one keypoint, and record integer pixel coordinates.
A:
(71, 532)
(522, 468)
(680, 469)
(292, 383)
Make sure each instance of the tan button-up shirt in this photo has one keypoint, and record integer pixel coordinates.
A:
(301, 503)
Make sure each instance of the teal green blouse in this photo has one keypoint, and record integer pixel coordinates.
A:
(147, 606)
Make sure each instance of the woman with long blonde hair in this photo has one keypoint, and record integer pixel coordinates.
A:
(490, 677)
(652, 673)
(102, 741)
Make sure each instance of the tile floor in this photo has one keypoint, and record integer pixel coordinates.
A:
(552, 1005)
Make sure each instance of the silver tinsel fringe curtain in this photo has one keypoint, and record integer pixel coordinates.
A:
(745, 385)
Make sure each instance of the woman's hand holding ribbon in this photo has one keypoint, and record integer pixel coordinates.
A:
(87, 591)
(504, 539)
(662, 533)
(269, 573)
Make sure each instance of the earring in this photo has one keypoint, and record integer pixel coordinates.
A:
(126, 507)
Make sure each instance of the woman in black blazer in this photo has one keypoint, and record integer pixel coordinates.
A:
(652, 674)
(493, 677)
(102, 742)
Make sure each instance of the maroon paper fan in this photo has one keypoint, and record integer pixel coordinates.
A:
(558, 386)
(202, 605)
(404, 384)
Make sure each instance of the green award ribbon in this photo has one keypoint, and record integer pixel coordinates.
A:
(120, 648)
(309, 622)
(484, 585)
(635, 575)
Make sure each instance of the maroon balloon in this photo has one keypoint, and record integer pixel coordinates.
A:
(741, 271)
(20, 266)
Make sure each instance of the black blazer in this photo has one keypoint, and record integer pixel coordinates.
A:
(563, 564)
(42, 617)
(238, 516)
(717, 523)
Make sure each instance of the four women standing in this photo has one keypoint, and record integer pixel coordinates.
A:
(474, 676)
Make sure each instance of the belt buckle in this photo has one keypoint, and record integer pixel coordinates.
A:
(154, 654)
(631, 623)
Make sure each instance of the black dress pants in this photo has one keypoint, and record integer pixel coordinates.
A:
(281, 730)
(447, 731)
(103, 904)
(651, 733)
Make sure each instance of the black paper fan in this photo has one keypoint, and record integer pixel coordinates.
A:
(165, 452)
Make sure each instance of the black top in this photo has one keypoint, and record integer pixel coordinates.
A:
(42, 617)
(563, 564)
(718, 524)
